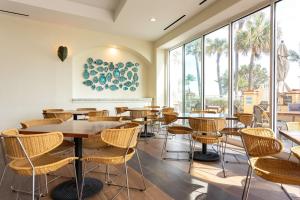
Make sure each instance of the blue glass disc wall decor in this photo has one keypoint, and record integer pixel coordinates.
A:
(100, 75)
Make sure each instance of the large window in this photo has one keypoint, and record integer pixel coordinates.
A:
(251, 66)
(249, 49)
(287, 61)
(193, 75)
(176, 74)
(216, 70)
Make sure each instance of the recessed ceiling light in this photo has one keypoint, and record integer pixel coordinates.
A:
(152, 19)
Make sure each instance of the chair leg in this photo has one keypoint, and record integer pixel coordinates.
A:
(3, 174)
(247, 184)
(222, 159)
(141, 169)
(82, 184)
(223, 155)
(33, 184)
(192, 159)
(76, 181)
(127, 181)
(164, 146)
(286, 192)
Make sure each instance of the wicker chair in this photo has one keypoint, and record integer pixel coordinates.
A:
(86, 109)
(122, 147)
(296, 152)
(260, 143)
(154, 107)
(167, 110)
(293, 126)
(65, 116)
(207, 131)
(40, 122)
(203, 111)
(261, 118)
(64, 146)
(120, 111)
(110, 118)
(175, 130)
(51, 110)
(247, 120)
(29, 156)
(102, 113)
(95, 141)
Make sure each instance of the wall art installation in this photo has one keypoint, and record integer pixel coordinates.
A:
(100, 75)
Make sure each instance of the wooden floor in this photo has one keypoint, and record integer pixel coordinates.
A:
(168, 179)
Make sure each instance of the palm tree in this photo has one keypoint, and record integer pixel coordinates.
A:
(194, 48)
(188, 79)
(237, 48)
(218, 47)
(255, 38)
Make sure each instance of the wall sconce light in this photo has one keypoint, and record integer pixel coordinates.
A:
(62, 53)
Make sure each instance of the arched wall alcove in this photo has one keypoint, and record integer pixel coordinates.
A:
(114, 54)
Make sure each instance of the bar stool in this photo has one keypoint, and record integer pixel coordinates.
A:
(175, 130)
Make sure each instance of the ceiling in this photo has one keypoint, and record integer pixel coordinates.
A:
(125, 17)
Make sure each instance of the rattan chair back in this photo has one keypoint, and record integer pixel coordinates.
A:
(207, 125)
(40, 122)
(120, 110)
(154, 107)
(110, 118)
(125, 137)
(63, 115)
(293, 126)
(167, 110)
(259, 142)
(203, 111)
(51, 110)
(102, 113)
(34, 145)
(135, 114)
(246, 119)
(169, 118)
(86, 109)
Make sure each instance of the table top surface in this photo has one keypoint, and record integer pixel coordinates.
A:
(74, 128)
(291, 135)
(205, 115)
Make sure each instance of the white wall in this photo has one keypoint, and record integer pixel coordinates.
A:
(32, 77)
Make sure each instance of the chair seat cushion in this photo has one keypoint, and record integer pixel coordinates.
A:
(142, 121)
(179, 130)
(277, 170)
(206, 139)
(296, 151)
(42, 164)
(231, 131)
(109, 155)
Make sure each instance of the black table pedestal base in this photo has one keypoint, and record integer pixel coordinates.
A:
(67, 190)
(207, 157)
(147, 135)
